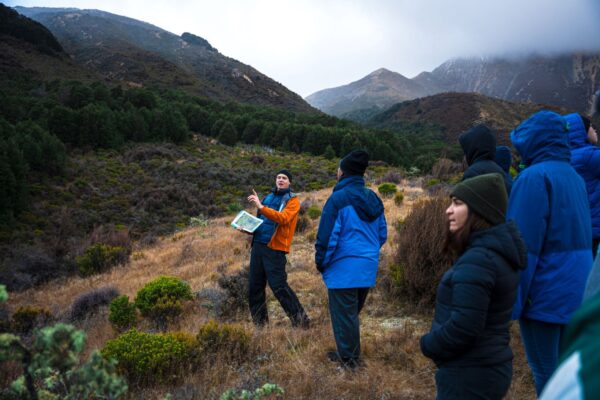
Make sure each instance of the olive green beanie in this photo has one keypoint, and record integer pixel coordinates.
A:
(485, 195)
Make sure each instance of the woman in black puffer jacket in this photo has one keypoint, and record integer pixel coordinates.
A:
(469, 338)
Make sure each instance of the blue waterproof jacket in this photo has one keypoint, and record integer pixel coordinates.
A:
(351, 233)
(549, 204)
(585, 158)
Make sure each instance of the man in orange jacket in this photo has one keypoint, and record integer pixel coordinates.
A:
(270, 244)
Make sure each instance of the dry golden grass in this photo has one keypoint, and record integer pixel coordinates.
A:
(294, 359)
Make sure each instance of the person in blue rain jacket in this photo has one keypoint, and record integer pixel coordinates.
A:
(550, 206)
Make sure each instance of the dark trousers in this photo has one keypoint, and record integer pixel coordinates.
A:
(490, 383)
(344, 307)
(267, 265)
(542, 345)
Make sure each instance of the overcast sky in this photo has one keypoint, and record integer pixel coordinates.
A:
(309, 45)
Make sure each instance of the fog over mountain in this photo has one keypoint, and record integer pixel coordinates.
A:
(311, 45)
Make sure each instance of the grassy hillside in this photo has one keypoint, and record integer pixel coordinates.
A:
(293, 359)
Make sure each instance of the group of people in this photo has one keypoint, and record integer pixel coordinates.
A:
(524, 250)
(350, 235)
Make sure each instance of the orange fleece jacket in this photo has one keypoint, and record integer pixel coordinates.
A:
(286, 224)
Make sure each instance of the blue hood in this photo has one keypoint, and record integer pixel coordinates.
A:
(365, 202)
(542, 137)
(504, 158)
(577, 135)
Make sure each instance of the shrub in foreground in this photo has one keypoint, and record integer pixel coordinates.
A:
(151, 358)
(100, 257)
(162, 299)
(229, 340)
(420, 260)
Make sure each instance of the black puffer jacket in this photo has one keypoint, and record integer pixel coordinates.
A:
(475, 299)
(479, 146)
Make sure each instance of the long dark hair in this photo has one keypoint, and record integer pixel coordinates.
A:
(456, 243)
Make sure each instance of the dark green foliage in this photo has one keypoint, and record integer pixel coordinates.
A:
(329, 152)
(228, 134)
(42, 151)
(52, 369)
(162, 299)
(122, 314)
(21, 27)
(387, 189)
(147, 358)
(227, 340)
(313, 212)
(169, 124)
(100, 257)
(13, 184)
(26, 318)
(90, 302)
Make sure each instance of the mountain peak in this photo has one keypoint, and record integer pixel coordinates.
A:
(197, 40)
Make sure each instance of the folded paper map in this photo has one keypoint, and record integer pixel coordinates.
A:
(245, 221)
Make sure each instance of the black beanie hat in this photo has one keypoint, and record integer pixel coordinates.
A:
(355, 163)
(485, 195)
(586, 122)
(286, 173)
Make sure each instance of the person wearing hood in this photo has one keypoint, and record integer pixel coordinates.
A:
(479, 146)
(469, 339)
(549, 204)
(350, 235)
(504, 160)
(585, 158)
(270, 243)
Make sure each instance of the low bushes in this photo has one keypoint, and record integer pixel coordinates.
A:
(162, 298)
(230, 341)
(90, 302)
(387, 189)
(100, 257)
(122, 314)
(151, 358)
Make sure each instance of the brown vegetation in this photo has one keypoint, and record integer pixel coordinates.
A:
(293, 359)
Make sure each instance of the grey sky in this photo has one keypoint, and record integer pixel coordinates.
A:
(309, 45)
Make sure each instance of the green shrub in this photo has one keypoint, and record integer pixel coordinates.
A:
(100, 257)
(432, 182)
(52, 369)
(145, 357)
(313, 212)
(229, 340)
(387, 189)
(266, 390)
(161, 299)
(399, 198)
(26, 318)
(122, 313)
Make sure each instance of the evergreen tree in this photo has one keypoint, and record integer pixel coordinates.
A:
(252, 131)
(329, 152)
(228, 134)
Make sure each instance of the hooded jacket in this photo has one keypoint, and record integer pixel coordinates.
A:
(351, 233)
(475, 299)
(549, 204)
(479, 146)
(585, 158)
(504, 160)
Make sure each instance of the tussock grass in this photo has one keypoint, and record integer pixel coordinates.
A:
(292, 358)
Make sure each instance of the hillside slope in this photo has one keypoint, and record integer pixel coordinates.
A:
(126, 50)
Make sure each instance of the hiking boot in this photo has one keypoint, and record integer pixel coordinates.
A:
(334, 356)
